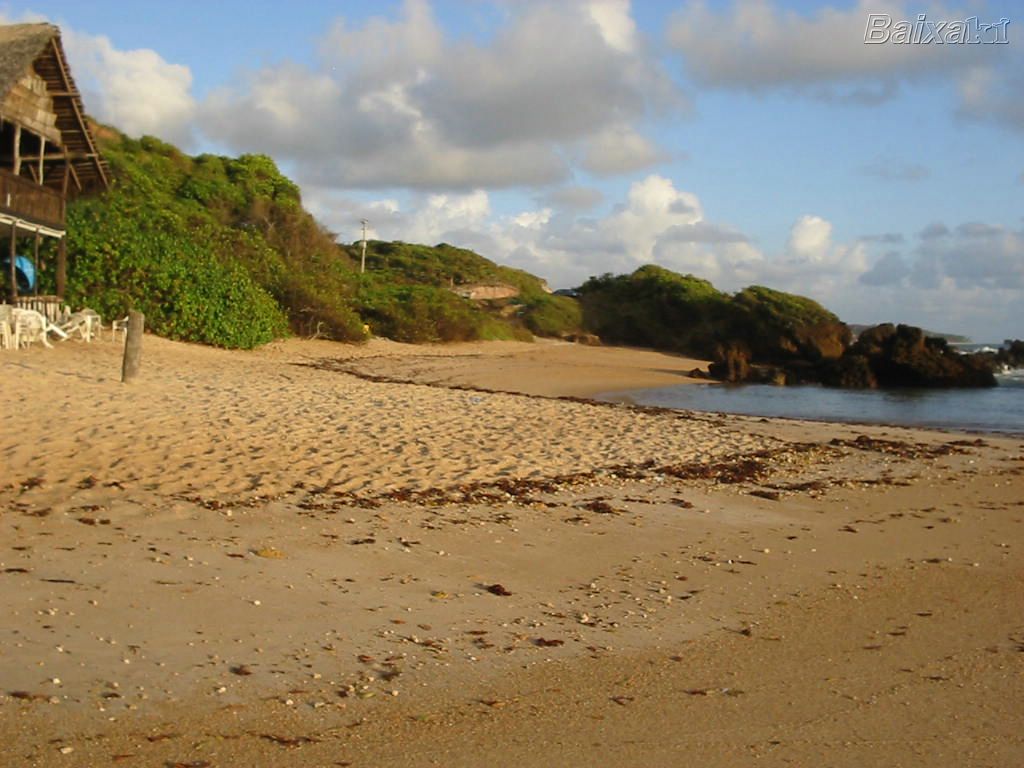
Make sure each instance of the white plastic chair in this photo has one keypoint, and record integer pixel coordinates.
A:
(93, 324)
(119, 326)
(30, 326)
(7, 338)
(86, 323)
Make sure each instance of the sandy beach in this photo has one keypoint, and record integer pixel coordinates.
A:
(325, 555)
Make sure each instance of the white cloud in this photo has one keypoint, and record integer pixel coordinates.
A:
(137, 91)
(396, 103)
(613, 18)
(618, 150)
(754, 45)
(580, 198)
(993, 94)
(950, 278)
(811, 238)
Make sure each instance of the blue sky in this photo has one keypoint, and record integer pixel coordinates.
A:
(755, 141)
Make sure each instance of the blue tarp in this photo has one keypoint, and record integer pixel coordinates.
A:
(25, 271)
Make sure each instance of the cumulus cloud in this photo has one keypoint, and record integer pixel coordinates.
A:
(886, 238)
(934, 231)
(947, 277)
(977, 255)
(137, 91)
(618, 150)
(396, 103)
(992, 93)
(754, 45)
(573, 197)
(953, 278)
(810, 238)
(888, 270)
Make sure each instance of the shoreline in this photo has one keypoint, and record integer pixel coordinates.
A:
(595, 389)
(624, 398)
(242, 558)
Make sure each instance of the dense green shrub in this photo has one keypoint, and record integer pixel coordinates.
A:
(549, 315)
(219, 250)
(656, 307)
(122, 259)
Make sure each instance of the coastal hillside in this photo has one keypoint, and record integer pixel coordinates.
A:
(656, 307)
(220, 251)
(766, 336)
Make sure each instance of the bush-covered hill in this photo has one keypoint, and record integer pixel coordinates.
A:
(659, 308)
(220, 250)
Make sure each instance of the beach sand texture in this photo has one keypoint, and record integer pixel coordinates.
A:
(295, 556)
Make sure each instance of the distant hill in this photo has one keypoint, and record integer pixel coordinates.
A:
(219, 250)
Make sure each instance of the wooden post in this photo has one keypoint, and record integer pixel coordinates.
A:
(17, 149)
(42, 154)
(35, 283)
(62, 267)
(133, 346)
(14, 269)
(67, 176)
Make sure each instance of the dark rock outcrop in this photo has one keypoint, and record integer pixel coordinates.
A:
(1011, 355)
(731, 363)
(902, 356)
(851, 372)
(813, 342)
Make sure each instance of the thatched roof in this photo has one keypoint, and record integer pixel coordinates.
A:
(39, 46)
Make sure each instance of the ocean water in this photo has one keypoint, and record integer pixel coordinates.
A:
(996, 409)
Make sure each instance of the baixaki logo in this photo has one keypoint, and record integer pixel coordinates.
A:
(882, 29)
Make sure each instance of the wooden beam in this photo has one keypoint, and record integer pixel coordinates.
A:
(67, 174)
(35, 285)
(17, 150)
(78, 112)
(53, 156)
(62, 266)
(74, 175)
(14, 270)
(42, 154)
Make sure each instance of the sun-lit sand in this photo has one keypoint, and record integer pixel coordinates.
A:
(294, 556)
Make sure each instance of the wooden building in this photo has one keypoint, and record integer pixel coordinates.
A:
(47, 154)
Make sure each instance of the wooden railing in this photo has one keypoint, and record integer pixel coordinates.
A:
(30, 201)
(51, 307)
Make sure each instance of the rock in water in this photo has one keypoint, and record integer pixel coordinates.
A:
(902, 356)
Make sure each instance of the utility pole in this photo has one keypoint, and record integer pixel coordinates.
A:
(362, 262)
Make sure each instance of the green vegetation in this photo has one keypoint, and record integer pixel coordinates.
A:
(785, 310)
(658, 308)
(405, 295)
(220, 251)
(655, 307)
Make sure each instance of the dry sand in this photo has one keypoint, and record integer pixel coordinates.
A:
(266, 558)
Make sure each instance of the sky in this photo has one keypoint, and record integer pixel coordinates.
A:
(745, 142)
